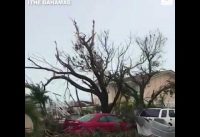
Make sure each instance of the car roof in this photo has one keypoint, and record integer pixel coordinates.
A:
(154, 108)
(98, 115)
(161, 108)
(104, 114)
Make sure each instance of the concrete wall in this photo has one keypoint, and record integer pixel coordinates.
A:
(111, 95)
(159, 81)
(156, 82)
(28, 124)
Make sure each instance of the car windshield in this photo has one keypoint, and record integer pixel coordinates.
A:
(86, 118)
(113, 119)
(150, 113)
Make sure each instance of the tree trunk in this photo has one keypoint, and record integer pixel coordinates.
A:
(81, 112)
(150, 103)
(105, 107)
(104, 103)
(114, 102)
(127, 100)
(92, 99)
(141, 103)
(42, 107)
(141, 98)
(117, 106)
(120, 98)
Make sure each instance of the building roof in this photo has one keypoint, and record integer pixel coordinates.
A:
(160, 73)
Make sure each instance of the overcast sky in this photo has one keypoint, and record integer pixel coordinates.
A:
(46, 24)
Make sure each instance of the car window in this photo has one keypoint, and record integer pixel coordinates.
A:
(164, 113)
(113, 119)
(86, 118)
(150, 113)
(143, 114)
(103, 119)
(171, 113)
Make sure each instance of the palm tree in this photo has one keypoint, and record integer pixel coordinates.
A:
(38, 96)
(35, 115)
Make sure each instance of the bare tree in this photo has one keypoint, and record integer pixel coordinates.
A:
(89, 58)
(151, 50)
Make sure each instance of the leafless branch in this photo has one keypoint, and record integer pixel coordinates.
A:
(73, 83)
(169, 85)
(44, 68)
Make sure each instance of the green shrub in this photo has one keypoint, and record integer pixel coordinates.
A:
(126, 111)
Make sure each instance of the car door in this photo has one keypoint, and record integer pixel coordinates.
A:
(169, 116)
(108, 124)
(114, 123)
(164, 115)
(172, 116)
(103, 124)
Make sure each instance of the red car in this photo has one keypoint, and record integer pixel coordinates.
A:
(100, 122)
